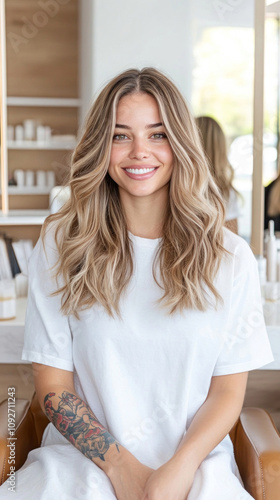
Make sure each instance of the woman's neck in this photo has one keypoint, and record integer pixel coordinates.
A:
(145, 216)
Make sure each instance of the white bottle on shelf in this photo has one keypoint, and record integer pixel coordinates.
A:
(19, 176)
(40, 133)
(41, 178)
(19, 133)
(29, 178)
(29, 130)
(271, 254)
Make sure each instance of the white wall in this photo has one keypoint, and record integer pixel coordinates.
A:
(120, 34)
(134, 33)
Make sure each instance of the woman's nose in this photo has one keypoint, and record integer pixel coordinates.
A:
(139, 149)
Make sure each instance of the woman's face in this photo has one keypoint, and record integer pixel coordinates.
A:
(141, 160)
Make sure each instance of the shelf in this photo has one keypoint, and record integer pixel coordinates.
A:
(14, 190)
(41, 145)
(30, 99)
(24, 217)
(43, 101)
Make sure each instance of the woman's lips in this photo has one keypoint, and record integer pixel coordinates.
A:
(132, 172)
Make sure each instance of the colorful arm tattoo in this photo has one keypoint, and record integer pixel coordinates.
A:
(75, 421)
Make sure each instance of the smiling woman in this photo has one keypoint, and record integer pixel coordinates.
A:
(188, 208)
(137, 304)
(141, 160)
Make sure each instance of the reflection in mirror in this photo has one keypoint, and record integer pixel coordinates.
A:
(271, 117)
(222, 85)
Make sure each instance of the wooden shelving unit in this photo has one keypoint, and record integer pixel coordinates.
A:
(41, 83)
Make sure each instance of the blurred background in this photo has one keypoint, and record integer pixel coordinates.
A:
(60, 53)
(56, 55)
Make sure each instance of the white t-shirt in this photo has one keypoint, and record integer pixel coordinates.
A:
(147, 374)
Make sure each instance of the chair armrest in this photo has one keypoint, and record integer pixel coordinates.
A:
(257, 452)
(30, 422)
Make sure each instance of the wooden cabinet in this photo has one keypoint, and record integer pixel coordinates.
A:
(40, 57)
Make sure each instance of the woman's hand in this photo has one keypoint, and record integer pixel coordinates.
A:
(172, 481)
(129, 480)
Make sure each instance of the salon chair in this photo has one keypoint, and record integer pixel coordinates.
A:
(255, 438)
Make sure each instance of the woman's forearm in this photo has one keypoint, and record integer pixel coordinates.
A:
(212, 422)
(210, 425)
(174, 479)
(73, 418)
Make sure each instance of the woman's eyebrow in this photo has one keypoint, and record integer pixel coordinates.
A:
(153, 125)
(118, 125)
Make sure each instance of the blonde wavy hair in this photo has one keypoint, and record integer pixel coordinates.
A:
(273, 208)
(214, 142)
(95, 252)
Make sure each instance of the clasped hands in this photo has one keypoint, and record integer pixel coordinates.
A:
(135, 481)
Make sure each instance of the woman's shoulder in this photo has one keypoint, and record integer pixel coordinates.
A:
(46, 246)
(50, 234)
(238, 251)
(233, 241)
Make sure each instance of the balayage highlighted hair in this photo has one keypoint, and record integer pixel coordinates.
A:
(214, 142)
(273, 209)
(95, 251)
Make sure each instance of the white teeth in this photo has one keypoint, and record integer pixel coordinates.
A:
(139, 171)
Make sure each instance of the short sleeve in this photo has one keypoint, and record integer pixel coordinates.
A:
(47, 337)
(246, 345)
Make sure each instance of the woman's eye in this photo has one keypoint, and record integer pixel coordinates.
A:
(119, 137)
(159, 135)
